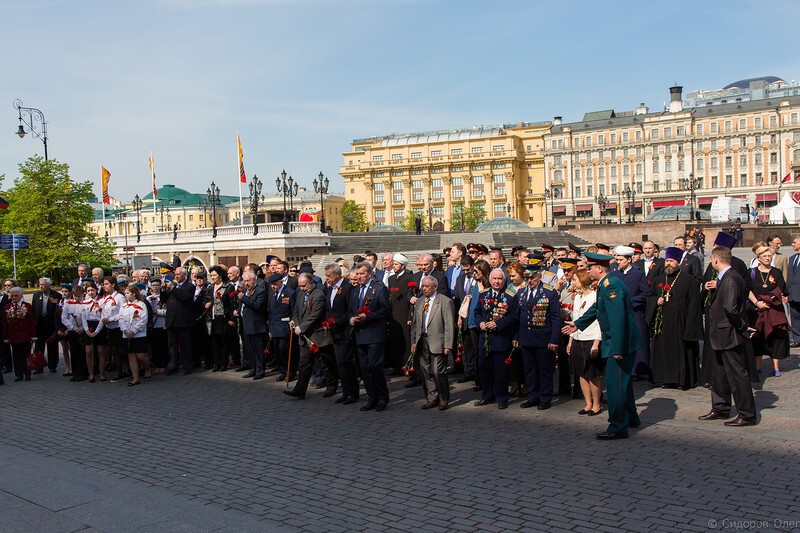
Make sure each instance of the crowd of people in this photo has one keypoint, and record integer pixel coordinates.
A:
(548, 322)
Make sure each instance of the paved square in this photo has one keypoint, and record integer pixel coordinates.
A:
(214, 452)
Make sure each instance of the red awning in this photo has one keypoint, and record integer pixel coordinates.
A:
(584, 207)
(610, 206)
(705, 201)
(667, 203)
(767, 197)
(559, 210)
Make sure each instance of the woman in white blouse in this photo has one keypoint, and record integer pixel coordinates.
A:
(584, 346)
(133, 325)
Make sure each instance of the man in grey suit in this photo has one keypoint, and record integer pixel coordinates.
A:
(727, 335)
(793, 286)
(432, 334)
(309, 312)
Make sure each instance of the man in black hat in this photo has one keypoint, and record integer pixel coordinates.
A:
(281, 303)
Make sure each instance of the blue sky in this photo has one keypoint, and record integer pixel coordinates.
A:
(300, 79)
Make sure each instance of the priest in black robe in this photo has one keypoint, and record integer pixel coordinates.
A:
(674, 315)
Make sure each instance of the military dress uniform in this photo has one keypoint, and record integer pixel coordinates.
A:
(620, 336)
(539, 325)
(500, 307)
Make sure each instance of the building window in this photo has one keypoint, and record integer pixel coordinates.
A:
(456, 151)
(728, 180)
(757, 122)
(699, 129)
(654, 134)
(437, 191)
(477, 186)
(667, 133)
(577, 191)
(437, 170)
(728, 126)
(377, 174)
(378, 193)
(477, 167)
(477, 149)
(380, 216)
(758, 161)
(625, 137)
(668, 185)
(742, 160)
(601, 139)
(398, 215)
(638, 135)
(714, 163)
(498, 165)
(714, 145)
(773, 158)
(498, 148)
(436, 153)
(773, 121)
(668, 165)
(614, 188)
(457, 169)
(728, 161)
(191, 218)
(742, 124)
(743, 180)
(714, 182)
(626, 170)
(601, 188)
(655, 186)
(416, 155)
(587, 141)
(499, 184)
(377, 158)
(613, 171)
(613, 140)
(416, 171)
(397, 191)
(397, 157)
(713, 127)
(577, 174)
(639, 186)
(681, 131)
(416, 189)
(590, 190)
(601, 172)
(396, 173)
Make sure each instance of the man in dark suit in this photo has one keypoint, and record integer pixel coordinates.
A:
(793, 286)
(370, 333)
(252, 301)
(457, 251)
(387, 271)
(464, 285)
(728, 332)
(45, 301)
(418, 225)
(83, 272)
(179, 301)
(281, 304)
(689, 263)
(337, 296)
(425, 267)
(638, 290)
(432, 336)
(309, 312)
(399, 341)
(650, 263)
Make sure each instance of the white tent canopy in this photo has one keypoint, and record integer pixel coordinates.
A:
(787, 211)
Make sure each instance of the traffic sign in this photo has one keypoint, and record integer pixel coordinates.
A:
(14, 241)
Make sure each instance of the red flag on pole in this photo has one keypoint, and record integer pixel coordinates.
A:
(105, 175)
(787, 177)
(153, 176)
(242, 176)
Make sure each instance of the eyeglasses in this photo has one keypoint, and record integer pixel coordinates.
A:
(293, 271)
(7, 285)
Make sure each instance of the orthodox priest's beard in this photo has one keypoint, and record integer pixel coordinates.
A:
(670, 270)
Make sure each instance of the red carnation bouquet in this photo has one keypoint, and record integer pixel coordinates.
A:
(363, 310)
(412, 286)
(312, 346)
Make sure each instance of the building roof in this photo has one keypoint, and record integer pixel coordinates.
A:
(745, 84)
(502, 223)
(476, 132)
(599, 115)
(170, 195)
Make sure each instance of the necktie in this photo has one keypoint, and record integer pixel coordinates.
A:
(305, 299)
(796, 258)
(44, 304)
(425, 309)
(361, 295)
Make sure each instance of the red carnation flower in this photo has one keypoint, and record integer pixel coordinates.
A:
(363, 310)
(508, 360)
(412, 284)
(313, 348)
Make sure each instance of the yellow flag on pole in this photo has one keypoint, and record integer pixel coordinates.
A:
(105, 175)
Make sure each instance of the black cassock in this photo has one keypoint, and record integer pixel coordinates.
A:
(675, 352)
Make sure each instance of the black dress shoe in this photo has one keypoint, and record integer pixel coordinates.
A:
(380, 406)
(171, 371)
(431, 404)
(715, 415)
(584, 411)
(250, 374)
(281, 377)
(259, 376)
(544, 407)
(370, 405)
(328, 393)
(595, 413)
(635, 424)
(187, 372)
(525, 405)
(466, 378)
(794, 345)
(243, 368)
(27, 378)
(17, 379)
(341, 398)
(481, 403)
(295, 394)
(477, 388)
(502, 405)
(349, 400)
(610, 436)
(740, 422)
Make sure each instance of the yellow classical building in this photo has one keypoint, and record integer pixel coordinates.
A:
(437, 174)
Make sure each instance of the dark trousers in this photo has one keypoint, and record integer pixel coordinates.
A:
(345, 355)
(219, 351)
(432, 368)
(729, 377)
(254, 351)
(280, 351)
(306, 366)
(179, 341)
(370, 357)
(474, 337)
(201, 346)
(470, 357)
(51, 348)
(6, 360)
(159, 347)
(539, 364)
(78, 356)
(234, 349)
(493, 372)
(794, 312)
(20, 352)
(619, 391)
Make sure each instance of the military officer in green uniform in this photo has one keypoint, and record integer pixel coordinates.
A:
(620, 341)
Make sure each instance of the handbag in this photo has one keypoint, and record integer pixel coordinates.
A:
(463, 311)
(36, 360)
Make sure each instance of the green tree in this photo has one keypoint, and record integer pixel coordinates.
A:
(474, 214)
(54, 212)
(408, 221)
(353, 217)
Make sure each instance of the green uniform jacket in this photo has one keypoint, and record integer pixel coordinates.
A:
(614, 313)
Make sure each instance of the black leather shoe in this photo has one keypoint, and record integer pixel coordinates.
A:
(610, 436)
(481, 403)
(502, 405)
(328, 393)
(17, 379)
(740, 422)
(250, 374)
(171, 371)
(380, 406)
(431, 404)
(715, 415)
(243, 368)
(259, 376)
(281, 377)
(341, 398)
(525, 405)
(466, 378)
(370, 406)
(295, 394)
(349, 400)
(27, 378)
(635, 424)
(544, 407)
(477, 388)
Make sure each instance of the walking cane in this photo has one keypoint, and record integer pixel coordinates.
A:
(289, 358)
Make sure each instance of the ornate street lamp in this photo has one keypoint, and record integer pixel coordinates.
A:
(630, 196)
(33, 114)
(692, 185)
(212, 197)
(602, 202)
(549, 194)
(122, 218)
(321, 188)
(288, 188)
(162, 211)
(255, 198)
(137, 206)
(175, 228)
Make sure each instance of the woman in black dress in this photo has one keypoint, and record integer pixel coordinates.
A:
(768, 316)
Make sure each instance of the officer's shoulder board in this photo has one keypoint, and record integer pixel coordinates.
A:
(510, 293)
(606, 283)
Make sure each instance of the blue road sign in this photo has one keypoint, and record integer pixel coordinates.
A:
(15, 241)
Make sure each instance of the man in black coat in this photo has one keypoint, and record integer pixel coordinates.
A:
(650, 263)
(44, 302)
(425, 266)
(281, 303)
(689, 263)
(252, 301)
(728, 332)
(181, 315)
(463, 288)
(399, 342)
(337, 295)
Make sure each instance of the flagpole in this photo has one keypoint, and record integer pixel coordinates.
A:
(239, 179)
(153, 179)
(104, 218)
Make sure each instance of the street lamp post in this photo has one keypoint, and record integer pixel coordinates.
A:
(175, 228)
(463, 212)
(122, 218)
(549, 194)
(164, 210)
(601, 201)
(212, 197)
(619, 206)
(508, 210)
(137, 207)
(288, 188)
(692, 185)
(255, 198)
(33, 115)
(630, 197)
(321, 188)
